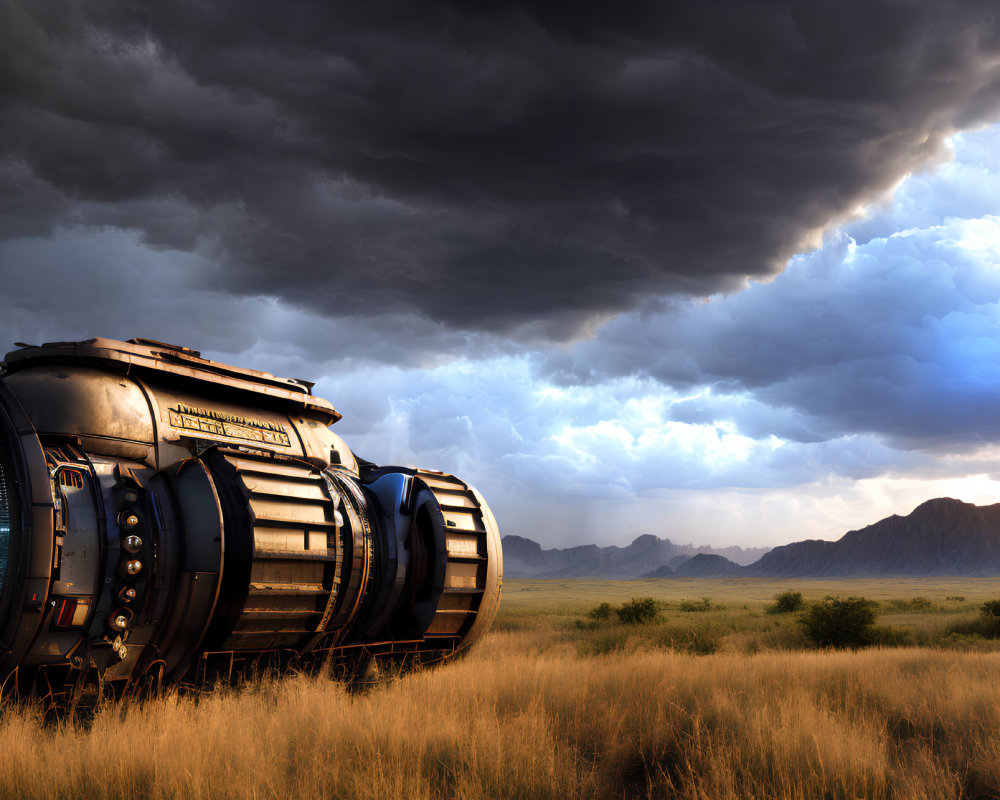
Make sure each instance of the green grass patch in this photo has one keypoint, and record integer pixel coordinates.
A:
(703, 616)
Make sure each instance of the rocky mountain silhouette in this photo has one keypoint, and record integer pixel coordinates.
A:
(702, 565)
(709, 565)
(524, 558)
(939, 537)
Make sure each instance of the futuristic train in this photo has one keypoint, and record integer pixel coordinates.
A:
(167, 518)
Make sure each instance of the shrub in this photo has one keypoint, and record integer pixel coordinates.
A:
(638, 611)
(833, 622)
(918, 604)
(985, 626)
(603, 611)
(704, 604)
(787, 602)
(991, 608)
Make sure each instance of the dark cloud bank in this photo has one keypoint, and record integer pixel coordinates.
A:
(486, 166)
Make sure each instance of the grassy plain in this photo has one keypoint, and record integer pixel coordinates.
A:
(722, 702)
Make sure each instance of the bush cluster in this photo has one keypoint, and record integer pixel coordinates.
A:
(602, 611)
(833, 622)
(702, 604)
(638, 611)
(991, 608)
(918, 604)
(978, 630)
(787, 602)
(840, 623)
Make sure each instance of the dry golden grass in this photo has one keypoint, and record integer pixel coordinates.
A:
(525, 715)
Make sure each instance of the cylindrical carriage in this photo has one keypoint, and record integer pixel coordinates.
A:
(163, 516)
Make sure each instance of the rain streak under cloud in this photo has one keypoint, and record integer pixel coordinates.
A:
(730, 284)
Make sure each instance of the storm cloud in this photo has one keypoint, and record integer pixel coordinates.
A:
(724, 271)
(893, 334)
(501, 167)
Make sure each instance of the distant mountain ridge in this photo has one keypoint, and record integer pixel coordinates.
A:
(939, 537)
(524, 558)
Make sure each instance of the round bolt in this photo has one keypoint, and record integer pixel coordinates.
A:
(133, 567)
(128, 519)
(132, 543)
(119, 619)
(130, 496)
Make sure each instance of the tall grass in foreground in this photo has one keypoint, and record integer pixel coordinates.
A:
(522, 717)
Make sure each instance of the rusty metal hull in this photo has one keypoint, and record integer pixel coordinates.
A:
(164, 517)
